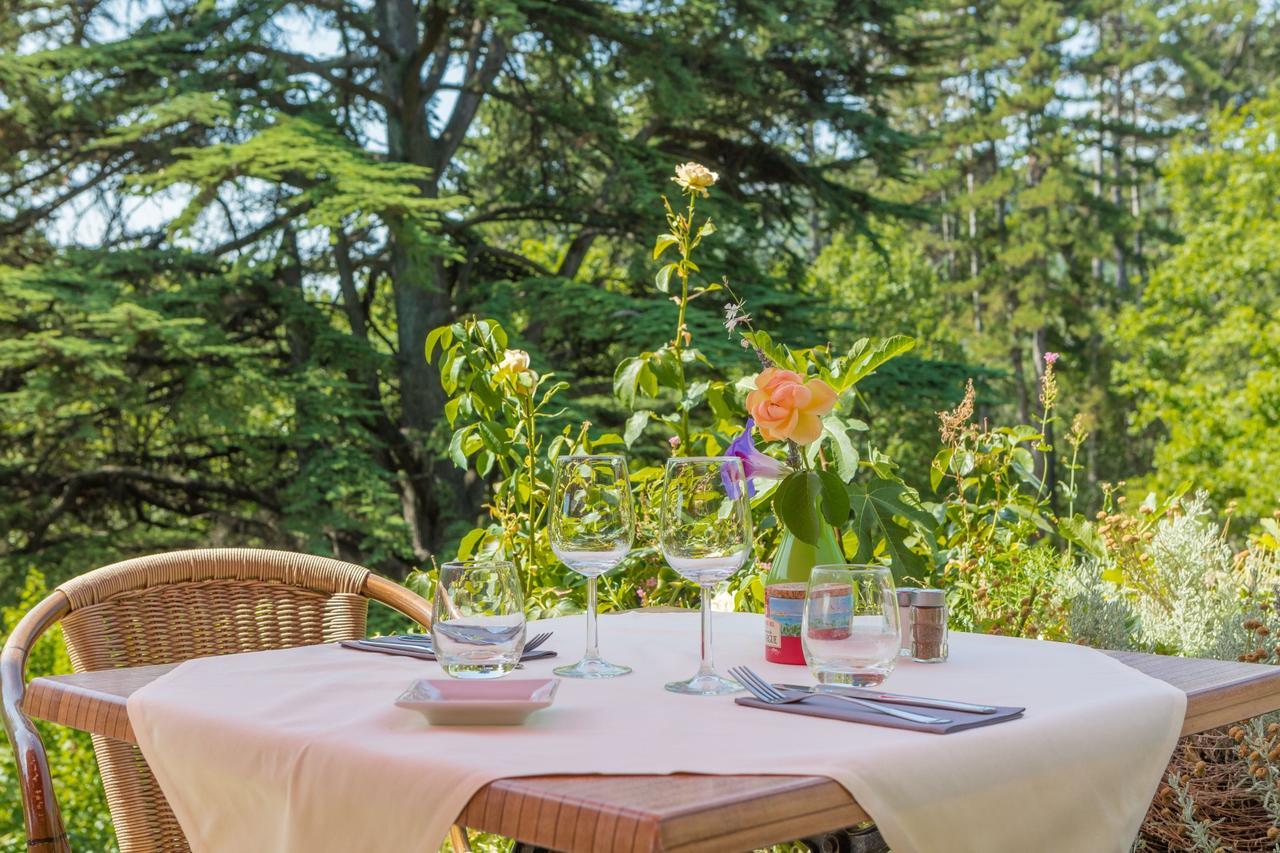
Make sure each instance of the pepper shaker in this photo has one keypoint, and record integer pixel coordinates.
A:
(929, 625)
(904, 619)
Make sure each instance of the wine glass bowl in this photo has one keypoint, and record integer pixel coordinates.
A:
(705, 536)
(591, 525)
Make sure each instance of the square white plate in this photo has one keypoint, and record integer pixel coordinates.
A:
(501, 702)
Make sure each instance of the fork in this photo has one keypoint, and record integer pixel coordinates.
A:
(770, 695)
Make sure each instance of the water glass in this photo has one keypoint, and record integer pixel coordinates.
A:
(478, 630)
(590, 526)
(705, 533)
(850, 625)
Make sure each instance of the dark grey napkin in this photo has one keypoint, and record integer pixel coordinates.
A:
(836, 709)
(368, 646)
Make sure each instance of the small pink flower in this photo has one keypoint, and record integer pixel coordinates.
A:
(1051, 357)
(674, 441)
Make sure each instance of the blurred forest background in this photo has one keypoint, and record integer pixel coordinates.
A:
(226, 229)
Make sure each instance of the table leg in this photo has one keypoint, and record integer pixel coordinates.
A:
(852, 840)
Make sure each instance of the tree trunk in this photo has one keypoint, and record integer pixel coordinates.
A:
(1118, 173)
(421, 302)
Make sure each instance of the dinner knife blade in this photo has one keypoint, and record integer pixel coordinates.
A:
(899, 699)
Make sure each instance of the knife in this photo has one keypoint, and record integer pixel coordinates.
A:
(898, 699)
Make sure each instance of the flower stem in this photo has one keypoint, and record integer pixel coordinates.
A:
(531, 444)
(677, 345)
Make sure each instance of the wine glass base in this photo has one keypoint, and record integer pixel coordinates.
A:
(592, 668)
(705, 684)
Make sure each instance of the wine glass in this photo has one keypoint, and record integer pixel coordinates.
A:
(850, 625)
(705, 536)
(478, 629)
(591, 527)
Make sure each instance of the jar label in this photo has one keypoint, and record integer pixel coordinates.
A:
(784, 604)
(772, 634)
(784, 610)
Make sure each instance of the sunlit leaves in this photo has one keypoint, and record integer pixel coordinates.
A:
(885, 516)
(805, 499)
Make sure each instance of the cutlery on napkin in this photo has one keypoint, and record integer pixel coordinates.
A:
(879, 713)
(898, 698)
(419, 646)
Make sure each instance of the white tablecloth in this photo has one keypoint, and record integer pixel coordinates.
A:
(303, 750)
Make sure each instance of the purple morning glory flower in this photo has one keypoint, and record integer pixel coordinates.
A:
(755, 463)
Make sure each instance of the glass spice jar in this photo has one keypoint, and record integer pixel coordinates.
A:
(929, 625)
(904, 618)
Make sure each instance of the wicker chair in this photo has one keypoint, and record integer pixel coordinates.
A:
(164, 609)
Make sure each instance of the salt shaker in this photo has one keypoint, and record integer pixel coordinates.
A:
(904, 619)
(929, 625)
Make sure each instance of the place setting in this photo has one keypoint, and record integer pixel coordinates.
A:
(855, 626)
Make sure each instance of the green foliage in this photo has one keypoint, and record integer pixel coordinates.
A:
(500, 412)
(1203, 349)
(996, 527)
(240, 362)
(136, 421)
(330, 180)
(886, 519)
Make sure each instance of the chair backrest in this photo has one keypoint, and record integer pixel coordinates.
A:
(172, 607)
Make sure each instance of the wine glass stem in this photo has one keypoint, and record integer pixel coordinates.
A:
(593, 633)
(708, 665)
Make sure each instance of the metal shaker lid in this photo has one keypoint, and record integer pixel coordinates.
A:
(904, 595)
(929, 598)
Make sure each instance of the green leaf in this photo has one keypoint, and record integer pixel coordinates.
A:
(938, 467)
(451, 409)
(665, 241)
(663, 278)
(442, 336)
(467, 547)
(1082, 532)
(795, 504)
(863, 358)
(1022, 462)
(421, 583)
(835, 498)
(694, 394)
(635, 426)
(876, 508)
(456, 452)
(648, 381)
(625, 380)
(846, 455)
(1014, 511)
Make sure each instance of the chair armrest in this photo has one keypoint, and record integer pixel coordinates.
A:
(45, 832)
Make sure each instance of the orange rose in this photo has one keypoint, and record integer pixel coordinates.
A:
(786, 406)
